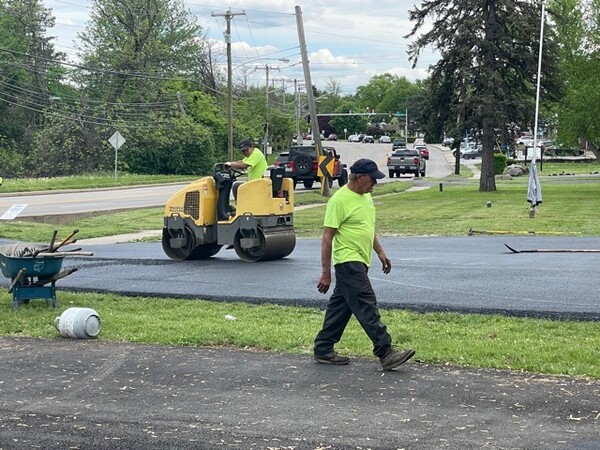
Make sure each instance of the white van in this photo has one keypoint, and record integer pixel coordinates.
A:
(418, 141)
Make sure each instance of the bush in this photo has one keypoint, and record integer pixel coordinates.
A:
(499, 163)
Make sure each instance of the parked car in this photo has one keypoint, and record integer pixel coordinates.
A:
(361, 137)
(399, 143)
(385, 140)
(472, 153)
(332, 137)
(464, 147)
(423, 150)
(448, 141)
(368, 139)
(353, 138)
(552, 149)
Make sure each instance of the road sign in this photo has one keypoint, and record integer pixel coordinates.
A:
(326, 166)
(116, 140)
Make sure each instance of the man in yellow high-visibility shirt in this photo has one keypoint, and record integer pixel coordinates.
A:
(254, 163)
(349, 240)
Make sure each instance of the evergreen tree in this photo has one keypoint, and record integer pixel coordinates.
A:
(486, 75)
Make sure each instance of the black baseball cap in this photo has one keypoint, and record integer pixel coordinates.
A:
(365, 165)
(244, 145)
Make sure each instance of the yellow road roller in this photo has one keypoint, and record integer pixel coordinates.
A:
(200, 219)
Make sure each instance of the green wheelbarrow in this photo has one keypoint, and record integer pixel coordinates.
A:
(33, 277)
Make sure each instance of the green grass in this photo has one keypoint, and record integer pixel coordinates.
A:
(567, 209)
(440, 338)
(584, 167)
(87, 182)
(469, 340)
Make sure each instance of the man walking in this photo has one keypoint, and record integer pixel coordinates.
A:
(349, 237)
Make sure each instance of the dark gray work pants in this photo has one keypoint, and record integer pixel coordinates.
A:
(353, 294)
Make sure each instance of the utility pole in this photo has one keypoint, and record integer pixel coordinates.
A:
(299, 137)
(267, 68)
(312, 108)
(228, 16)
(283, 88)
(406, 126)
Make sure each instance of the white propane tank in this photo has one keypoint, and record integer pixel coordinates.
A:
(79, 323)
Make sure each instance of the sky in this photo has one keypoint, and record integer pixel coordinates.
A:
(348, 42)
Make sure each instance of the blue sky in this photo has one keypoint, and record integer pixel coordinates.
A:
(349, 41)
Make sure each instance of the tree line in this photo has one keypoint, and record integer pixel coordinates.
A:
(146, 69)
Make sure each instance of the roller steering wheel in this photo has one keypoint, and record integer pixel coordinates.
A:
(236, 172)
(233, 172)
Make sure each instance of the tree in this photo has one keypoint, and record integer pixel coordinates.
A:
(354, 124)
(578, 28)
(29, 66)
(390, 94)
(486, 74)
(138, 55)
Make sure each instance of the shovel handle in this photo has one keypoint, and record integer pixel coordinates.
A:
(65, 240)
(51, 246)
(61, 254)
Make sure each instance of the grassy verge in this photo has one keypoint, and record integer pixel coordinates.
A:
(584, 167)
(87, 182)
(465, 340)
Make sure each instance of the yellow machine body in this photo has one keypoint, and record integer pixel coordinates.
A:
(197, 201)
(199, 218)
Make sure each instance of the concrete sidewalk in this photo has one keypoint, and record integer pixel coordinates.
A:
(61, 393)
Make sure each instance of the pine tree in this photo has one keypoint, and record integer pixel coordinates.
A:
(486, 75)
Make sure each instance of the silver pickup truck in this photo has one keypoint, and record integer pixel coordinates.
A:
(406, 160)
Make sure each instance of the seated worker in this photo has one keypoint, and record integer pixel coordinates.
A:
(254, 163)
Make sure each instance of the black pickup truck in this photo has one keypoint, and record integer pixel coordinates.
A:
(301, 165)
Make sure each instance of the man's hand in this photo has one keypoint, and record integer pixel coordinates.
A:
(386, 263)
(324, 282)
(228, 164)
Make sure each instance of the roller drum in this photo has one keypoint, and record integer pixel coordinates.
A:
(273, 245)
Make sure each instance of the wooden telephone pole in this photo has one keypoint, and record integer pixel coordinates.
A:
(314, 120)
(228, 16)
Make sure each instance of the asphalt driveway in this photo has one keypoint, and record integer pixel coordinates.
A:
(60, 393)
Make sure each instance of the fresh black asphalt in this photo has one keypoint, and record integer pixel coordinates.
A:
(462, 274)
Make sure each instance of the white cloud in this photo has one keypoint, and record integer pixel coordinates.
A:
(350, 41)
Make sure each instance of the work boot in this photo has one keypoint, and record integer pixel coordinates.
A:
(393, 358)
(332, 358)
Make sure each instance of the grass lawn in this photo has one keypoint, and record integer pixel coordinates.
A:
(440, 338)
